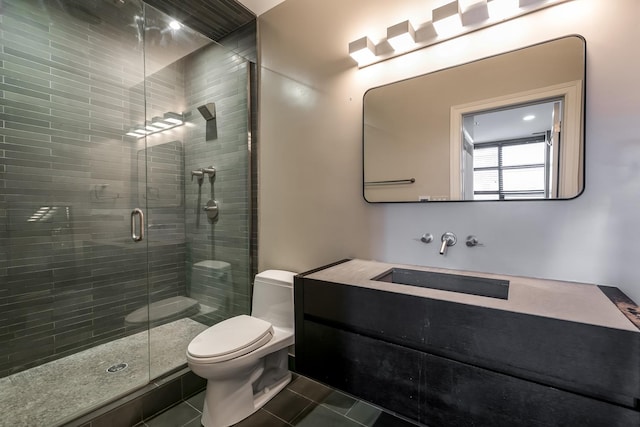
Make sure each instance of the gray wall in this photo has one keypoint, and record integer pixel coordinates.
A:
(312, 211)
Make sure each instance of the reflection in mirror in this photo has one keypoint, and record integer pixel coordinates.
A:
(511, 153)
(164, 180)
(508, 127)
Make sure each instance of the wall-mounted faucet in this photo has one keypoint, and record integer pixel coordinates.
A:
(198, 173)
(448, 239)
(211, 171)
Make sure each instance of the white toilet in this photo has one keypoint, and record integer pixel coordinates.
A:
(245, 358)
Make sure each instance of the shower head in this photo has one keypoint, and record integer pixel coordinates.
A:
(208, 111)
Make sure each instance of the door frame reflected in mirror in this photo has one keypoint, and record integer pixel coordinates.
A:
(569, 156)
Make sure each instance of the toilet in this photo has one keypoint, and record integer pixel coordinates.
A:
(245, 358)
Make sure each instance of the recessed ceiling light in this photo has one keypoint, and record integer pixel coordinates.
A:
(175, 25)
(528, 117)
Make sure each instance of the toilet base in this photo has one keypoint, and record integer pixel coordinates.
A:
(223, 410)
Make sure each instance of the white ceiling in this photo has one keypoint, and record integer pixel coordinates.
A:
(508, 123)
(260, 6)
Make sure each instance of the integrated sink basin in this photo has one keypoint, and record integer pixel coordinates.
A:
(480, 286)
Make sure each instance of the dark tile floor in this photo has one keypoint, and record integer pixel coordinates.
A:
(303, 403)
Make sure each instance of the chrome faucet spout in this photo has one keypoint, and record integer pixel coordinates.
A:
(448, 239)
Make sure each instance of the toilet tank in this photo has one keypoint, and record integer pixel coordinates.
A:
(273, 297)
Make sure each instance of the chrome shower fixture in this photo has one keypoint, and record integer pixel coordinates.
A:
(208, 111)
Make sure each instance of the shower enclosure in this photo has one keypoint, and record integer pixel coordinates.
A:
(109, 265)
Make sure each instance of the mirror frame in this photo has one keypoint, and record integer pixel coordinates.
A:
(582, 127)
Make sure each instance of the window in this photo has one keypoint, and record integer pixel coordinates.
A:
(512, 169)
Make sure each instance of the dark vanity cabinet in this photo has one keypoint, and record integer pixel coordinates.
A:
(443, 363)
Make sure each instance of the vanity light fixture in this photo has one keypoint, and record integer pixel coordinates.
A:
(466, 5)
(43, 213)
(451, 20)
(473, 11)
(139, 131)
(401, 36)
(447, 19)
(174, 118)
(157, 124)
(362, 50)
(500, 9)
(151, 129)
(525, 3)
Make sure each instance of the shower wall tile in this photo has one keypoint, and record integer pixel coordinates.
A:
(220, 76)
(69, 90)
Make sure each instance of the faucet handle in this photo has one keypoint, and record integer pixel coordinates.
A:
(211, 171)
(199, 173)
(472, 241)
(427, 238)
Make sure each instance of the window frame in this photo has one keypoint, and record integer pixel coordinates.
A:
(501, 193)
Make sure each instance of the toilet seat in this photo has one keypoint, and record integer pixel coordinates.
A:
(231, 338)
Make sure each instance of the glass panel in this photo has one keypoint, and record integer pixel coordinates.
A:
(524, 154)
(485, 180)
(485, 157)
(69, 271)
(199, 267)
(523, 179)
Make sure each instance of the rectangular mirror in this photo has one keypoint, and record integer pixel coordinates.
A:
(507, 127)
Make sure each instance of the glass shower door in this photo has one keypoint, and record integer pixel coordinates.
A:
(99, 116)
(199, 266)
(72, 87)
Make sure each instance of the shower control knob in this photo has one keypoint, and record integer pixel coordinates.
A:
(212, 210)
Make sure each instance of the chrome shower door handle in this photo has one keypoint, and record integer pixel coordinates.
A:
(137, 237)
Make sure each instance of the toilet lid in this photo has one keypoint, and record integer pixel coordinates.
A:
(232, 337)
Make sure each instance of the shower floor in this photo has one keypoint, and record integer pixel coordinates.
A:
(58, 391)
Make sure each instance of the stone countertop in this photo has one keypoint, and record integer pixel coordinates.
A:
(575, 302)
